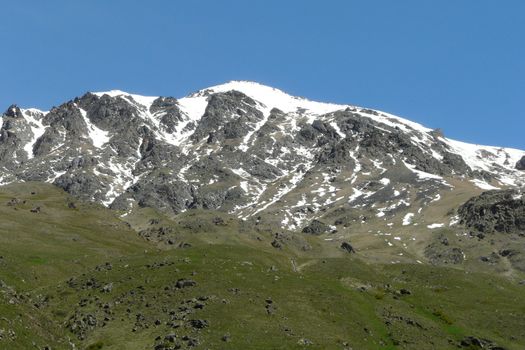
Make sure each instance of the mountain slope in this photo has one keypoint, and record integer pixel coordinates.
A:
(279, 162)
(242, 217)
(74, 276)
(240, 147)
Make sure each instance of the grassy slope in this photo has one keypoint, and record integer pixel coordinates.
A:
(325, 296)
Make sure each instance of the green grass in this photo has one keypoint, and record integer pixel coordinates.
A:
(50, 258)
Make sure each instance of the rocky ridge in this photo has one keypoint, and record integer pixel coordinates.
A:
(246, 149)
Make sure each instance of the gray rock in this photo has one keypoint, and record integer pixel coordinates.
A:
(199, 324)
(316, 227)
(494, 211)
(185, 283)
(521, 164)
(471, 342)
(13, 111)
(347, 247)
(107, 288)
(227, 116)
(304, 342)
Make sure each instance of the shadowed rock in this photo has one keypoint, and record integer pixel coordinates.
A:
(521, 164)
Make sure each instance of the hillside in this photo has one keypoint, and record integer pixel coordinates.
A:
(73, 273)
(240, 217)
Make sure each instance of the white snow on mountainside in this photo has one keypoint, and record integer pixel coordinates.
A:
(261, 151)
(478, 157)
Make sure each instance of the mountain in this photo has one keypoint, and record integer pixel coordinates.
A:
(243, 217)
(242, 148)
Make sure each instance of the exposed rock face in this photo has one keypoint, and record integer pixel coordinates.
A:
(495, 211)
(316, 227)
(13, 112)
(242, 148)
(227, 116)
(471, 342)
(521, 164)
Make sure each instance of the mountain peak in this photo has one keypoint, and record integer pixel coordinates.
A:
(246, 87)
(141, 99)
(259, 151)
(13, 111)
(271, 97)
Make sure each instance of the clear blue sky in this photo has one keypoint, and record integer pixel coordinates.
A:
(454, 64)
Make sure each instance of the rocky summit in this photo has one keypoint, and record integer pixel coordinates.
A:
(241, 217)
(245, 149)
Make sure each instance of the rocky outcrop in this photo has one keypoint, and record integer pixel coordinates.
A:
(471, 342)
(171, 114)
(495, 211)
(159, 191)
(520, 165)
(227, 116)
(13, 111)
(317, 227)
(14, 133)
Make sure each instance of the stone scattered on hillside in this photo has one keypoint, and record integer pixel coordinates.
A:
(347, 247)
(473, 343)
(184, 283)
(316, 227)
(198, 324)
(439, 254)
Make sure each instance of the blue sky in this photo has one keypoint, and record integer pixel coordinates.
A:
(457, 65)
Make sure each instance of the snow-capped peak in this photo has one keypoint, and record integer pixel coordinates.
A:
(269, 98)
(145, 101)
(202, 144)
(272, 97)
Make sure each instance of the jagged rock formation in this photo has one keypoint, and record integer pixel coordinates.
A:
(520, 165)
(495, 211)
(242, 148)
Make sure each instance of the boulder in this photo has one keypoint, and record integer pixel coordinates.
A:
(316, 227)
(183, 283)
(347, 247)
(199, 324)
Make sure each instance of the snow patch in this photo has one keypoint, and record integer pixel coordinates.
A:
(483, 185)
(271, 97)
(37, 128)
(454, 220)
(421, 174)
(337, 129)
(145, 101)
(407, 219)
(384, 181)
(98, 136)
(433, 226)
